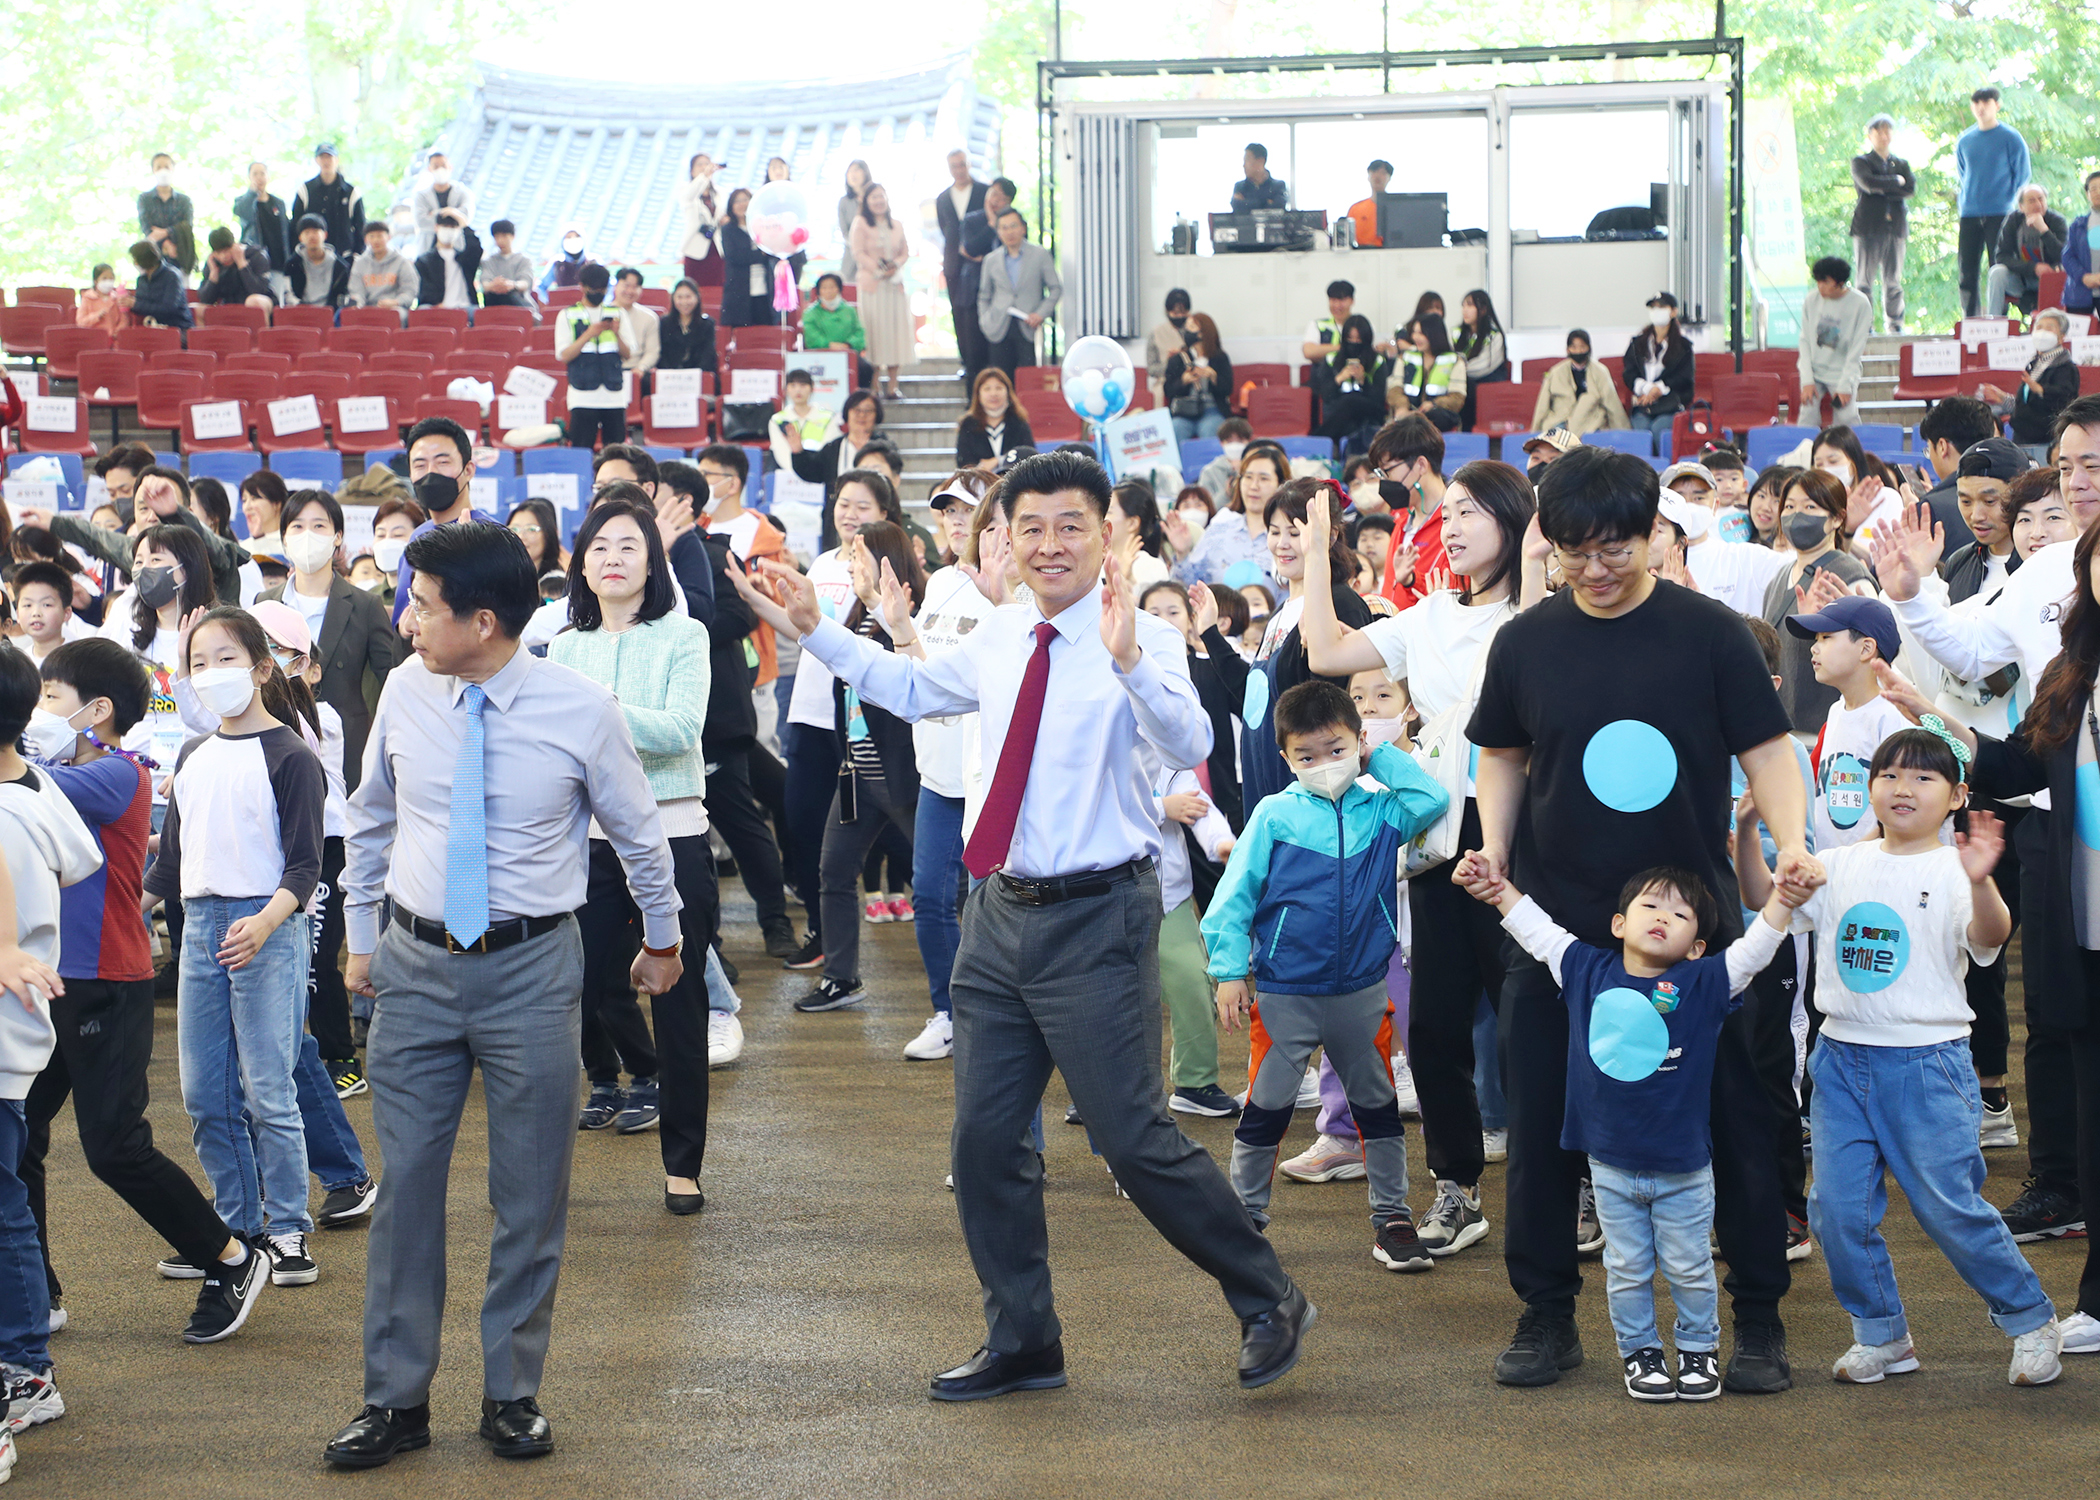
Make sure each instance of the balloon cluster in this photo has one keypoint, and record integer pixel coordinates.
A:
(779, 217)
(1097, 380)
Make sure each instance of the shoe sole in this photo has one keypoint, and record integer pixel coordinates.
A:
(2059, 1232)
(1801, 1251)
(1182, 1106)
(723, 1062)
(516, 1450)
(649, 1124)
(1405, 1267)
(1255, 1383)
(1472, 1234)
(805, 965)
(295, 1278)
(375, 1460)
(1903, 1366)
(1652, 1396)
(2027, 1383)
(583, 1125)
(1032, 1383)
(240, 1317)
(187, 1273)
(1591, 1247)
(362, 1086)
(1350, 1171)
(348, 1215)
(50, 1409)
(1685, 1395)
(2083, 1346)
(945, 1052)
(2000, 1143)
(1496, 1158)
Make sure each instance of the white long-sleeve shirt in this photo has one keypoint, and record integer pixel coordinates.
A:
(1089, 802)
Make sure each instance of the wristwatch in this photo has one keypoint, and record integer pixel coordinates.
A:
(670, 952)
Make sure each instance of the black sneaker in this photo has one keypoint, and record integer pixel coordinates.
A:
(1698, 1375)
(1648, 1376)
(780, 940)
(290, 1265)
(730, 971)
(227, 1297)
(345, 1204)
(2042, 1213)
(1208, 1100)
(1398, 1248)
(177, 1268)
(1759, 1366)
(640, 1111)
(1545, 1344)
(1072, 1115)
(831, 995)
(1798, 1245)
(348, 1075)
(166, 980)
(602, 1108)
(809, 956)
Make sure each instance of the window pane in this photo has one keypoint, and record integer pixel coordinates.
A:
(1430, 154)
(1620, 151)
(1194, 168)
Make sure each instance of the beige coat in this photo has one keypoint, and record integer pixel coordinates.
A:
(1595, 409)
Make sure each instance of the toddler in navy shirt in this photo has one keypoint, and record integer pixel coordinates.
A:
(1644, 1021)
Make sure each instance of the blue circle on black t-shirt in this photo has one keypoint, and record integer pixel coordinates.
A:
(1254, 704)
(1628, 1038)
(1845, 790)
(1630, 765)
(1873, 947)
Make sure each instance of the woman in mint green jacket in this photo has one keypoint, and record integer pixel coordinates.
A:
(627, 633)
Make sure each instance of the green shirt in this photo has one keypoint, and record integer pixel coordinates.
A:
(833, 328)
(660, 672)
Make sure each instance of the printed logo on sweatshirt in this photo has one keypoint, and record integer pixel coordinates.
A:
(1873, 948)
(1845, 789)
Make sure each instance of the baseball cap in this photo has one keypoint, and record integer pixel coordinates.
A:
(1688, 470)
(283, 624)
(1663, 299)
(325, 148)
(942, 499)
(1856, 613)
(1688, 516)
(1882, 119)
(1995, 458)
(1559, 439)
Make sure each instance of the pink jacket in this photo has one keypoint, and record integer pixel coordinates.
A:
(93, 310)
(871, 245)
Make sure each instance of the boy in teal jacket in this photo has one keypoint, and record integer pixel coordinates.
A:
(1307, 912)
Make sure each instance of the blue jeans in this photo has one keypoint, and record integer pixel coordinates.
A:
(721, 994)
(1912, 1113)
(1640, 419)
(25, 1296)
(332, 1150)
(1665, 1220)
(936, 874)
(1487, 1069)
(1205, 426)
(240, 1033)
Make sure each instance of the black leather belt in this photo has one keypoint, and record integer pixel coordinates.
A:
(1070, 887)
(500, 935)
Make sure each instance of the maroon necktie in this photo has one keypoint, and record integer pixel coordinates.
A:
(1001, 813)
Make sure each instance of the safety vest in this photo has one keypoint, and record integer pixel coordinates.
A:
(596, 366)
(1438, 380)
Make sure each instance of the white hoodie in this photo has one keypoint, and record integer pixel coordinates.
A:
(46, 846)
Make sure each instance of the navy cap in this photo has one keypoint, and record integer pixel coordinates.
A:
(326, 148)
(1858, 614)
(1995, 458)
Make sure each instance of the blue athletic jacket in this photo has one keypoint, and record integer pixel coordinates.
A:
(1307, 902)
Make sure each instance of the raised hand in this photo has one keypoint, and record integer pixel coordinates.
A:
(159, 495)
(189, 624)
(896, 604)
(1203, 606)
(1400, 563)
(761, 603)
(1314, 538)
(1824, 589)
(1177, 531)
(994, 553)
(1981, 847)
(1900, 580)
(1119, 613)
(1860, 502)
(1923, 538)
(1436, 580)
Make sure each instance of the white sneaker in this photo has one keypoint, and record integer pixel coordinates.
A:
(1866, 1364)
(1404, 1086)
(7, 1456)
(1309, 1089)
(31, 1399)
(1998, 1130)
(725, 1038)
(935, 1041)
(1330, 1158)
(2034, 1360)
(2080, 1333)
(1494, 1145)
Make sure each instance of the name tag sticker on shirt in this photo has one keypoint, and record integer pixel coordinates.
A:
(217, 419)
(520, 411)
(295, 414)
(524, 380)
(2009, 353)
(52, 414)
(674, 411)
(754, 385)
(682, 385)
(1935, 357)
(557, 488)
(360, 414)
(1873, 948)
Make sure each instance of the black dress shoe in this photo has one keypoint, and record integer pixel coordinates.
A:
(515, 1428)
(684, 1203)
(378, 1434)
(1270, 1342)
(989, 1373)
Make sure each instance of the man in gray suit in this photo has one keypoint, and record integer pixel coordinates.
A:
(1016, 288)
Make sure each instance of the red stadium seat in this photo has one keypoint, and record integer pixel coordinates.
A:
(364, 342)
(1533, 371)
(116, 372)
(402, 388)
(325, 386)
(504, 317)
(331, 362)
(23, 328)
(204, 363)
(388, 436)
(1742, 402)
(61, 295)
(565, 296)
(161, 394)
(279, 365)
(1055, 422)
(401, 362)
(76, 439)
(386, 319)
(315, 316)
(1914, 387)
(687, 438)
(222, 341)
(1708, 368)
(1279, 410)
(761, 337)
(64, 345)
(1032, 378)
(191, 443)
(507, 342)
(450, 319)
(247, 385)
(148, 341)
(435, 342)
(1783, 365)
(1258, 376)
(233, 315)
(466, 413)
(2052, 289)
(272, 441)
(489, 367)
(294, 342)
(1504, 406)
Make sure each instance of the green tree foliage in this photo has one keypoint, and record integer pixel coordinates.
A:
(93, 93)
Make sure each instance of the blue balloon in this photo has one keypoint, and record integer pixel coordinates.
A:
(1111, 397)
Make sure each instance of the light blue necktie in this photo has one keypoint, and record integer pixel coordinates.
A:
(466, 845)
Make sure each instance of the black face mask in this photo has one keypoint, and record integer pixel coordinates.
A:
(1579, 360)
(157, 587)
(1535, 471)
(1177, 319)
(1396, 494)
(436, 492)
(594, 297)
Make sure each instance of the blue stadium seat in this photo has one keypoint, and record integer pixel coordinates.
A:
(75, 470)
(1196, 453)
(1625, 439)
(665, 455)
(572, 463)
(384, 457)
(1512, 448)
(1308, 447)
(1767, 443)
(1461, 448)
(229, 467)
(303, 468)
(1882, 439)
(167, 460)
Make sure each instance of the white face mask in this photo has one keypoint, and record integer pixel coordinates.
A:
(106, 286)
(163, 178)
(572, 244)
(2044, 340)
(442, 177)
(49, 736)
(1195, 520)
(386, 551)
(1333, 778)
(1234, 450)
(225, 691)
(447, 235)
(309, 551)
(1382, 731)
(1660, 316)
(829, 304)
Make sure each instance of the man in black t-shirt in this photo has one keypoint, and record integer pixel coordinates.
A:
(1606, 721)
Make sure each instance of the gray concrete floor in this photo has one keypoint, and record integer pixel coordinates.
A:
(779, 1344)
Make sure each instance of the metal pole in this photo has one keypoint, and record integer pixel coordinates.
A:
(1385, 46)
(1736, 103)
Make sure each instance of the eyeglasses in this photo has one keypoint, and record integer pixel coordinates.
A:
(420, 610)
(1613, 558)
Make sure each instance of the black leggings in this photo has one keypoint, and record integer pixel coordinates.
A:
(733, 810)
(893, 848)
(610, 422)
(845, 850)
(611, 926)
(1458, 956)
